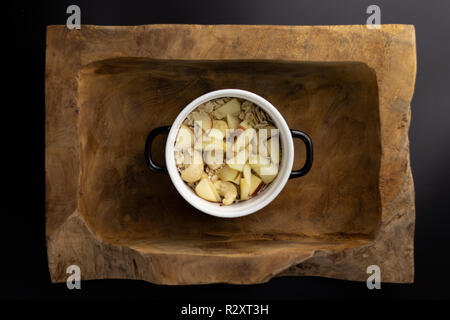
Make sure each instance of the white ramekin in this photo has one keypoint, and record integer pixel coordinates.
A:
(264, 197)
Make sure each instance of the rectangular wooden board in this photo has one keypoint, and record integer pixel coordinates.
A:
(107, 87)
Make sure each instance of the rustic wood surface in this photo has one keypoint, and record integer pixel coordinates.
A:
(347, 86)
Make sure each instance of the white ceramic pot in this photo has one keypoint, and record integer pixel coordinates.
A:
(264, 197)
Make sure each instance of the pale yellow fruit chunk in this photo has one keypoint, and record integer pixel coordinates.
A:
(213, 140)
(247, 172)
(237, 179)
(244, 139)
(220, 125)
(231, 107)
(244, 125)
(245, 189)
(233, 121)
(203, 119)
(264, 168)
(255, 184)
(227, 174)
(238, 161)
(185, 138)
(205, 189)
(273, 149)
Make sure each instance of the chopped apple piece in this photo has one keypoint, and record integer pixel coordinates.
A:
(213, 145)
(205, 189)
(202, 117)
(214, 134)
(220, 125)
(245, 189)
(244, 139)
(269, 131)
(238, 161)
(185, 138)
(256, 162)
(266, 133)
(237, 179)
(264, 168)
(263, 135)
(236, 166)
(273, 149)
(231, 107)
(247, 171)
(213, 139)
(269, 174)
(263, 149)
(228, 174)
(255, 184)
(233, 121)
(244, 125)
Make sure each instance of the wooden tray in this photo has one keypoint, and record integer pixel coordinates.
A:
(348, 87)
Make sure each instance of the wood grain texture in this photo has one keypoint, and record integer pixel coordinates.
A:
(347, 86)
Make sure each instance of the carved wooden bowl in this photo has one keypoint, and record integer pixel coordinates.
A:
(107, 213)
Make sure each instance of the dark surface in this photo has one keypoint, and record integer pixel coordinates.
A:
(25, 252)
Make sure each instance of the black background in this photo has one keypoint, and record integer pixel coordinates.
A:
(24, 252)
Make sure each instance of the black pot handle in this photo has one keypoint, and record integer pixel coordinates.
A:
(148, 149)
(309, 154)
